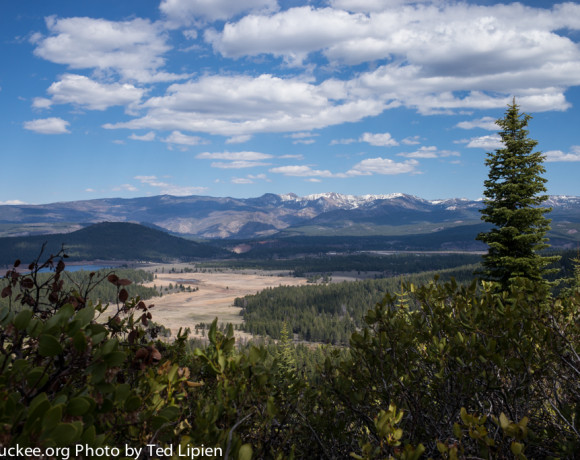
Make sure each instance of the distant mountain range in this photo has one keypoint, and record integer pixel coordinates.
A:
(406, 219)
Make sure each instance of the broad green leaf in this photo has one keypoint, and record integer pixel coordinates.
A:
(48, 345)
(22, 319)
(245, 452)
(78, 406)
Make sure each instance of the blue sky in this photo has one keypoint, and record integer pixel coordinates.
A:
(240, 98)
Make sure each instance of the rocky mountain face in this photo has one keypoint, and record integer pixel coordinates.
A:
(214, 217)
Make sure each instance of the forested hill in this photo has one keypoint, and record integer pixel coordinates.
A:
(109, 241)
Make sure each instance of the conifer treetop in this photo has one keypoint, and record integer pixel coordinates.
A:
(514, 191)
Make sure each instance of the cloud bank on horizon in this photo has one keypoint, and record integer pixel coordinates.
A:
(356, 96)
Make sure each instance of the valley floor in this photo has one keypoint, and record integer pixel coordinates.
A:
(214, 298)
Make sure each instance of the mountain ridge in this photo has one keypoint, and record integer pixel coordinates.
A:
(208, 217)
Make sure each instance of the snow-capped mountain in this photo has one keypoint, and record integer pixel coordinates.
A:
(214, 217)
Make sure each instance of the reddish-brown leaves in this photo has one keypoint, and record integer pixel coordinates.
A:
(7, 291)
(123, 295)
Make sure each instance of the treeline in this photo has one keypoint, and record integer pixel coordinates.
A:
(387, 265)
(326, 313)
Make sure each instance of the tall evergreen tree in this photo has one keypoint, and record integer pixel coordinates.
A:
(514, 191)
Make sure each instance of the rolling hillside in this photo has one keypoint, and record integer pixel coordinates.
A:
(108, 241)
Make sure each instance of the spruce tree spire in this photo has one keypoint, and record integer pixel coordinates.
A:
(514, 191)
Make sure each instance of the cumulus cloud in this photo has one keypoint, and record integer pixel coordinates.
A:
(483, 123)
(429, 152)
(239, 139)
(236, 160)
(292, 34)
(169, 189)
(304, 141)
(242, 105)
(238, 164)
(242, 180)
(343, 141)
(259, 176)
(486, 142)
(379, 139)
(134, 49)
(553, 156)
(41, 103)
(51, 125)
(250, 179)
(301, 171)
(302, 138)
(150, 136)
(383, 166)
(234, 156)
(177, 137)
(412, 140)
(301, 135)
(440, 57)
(192, 11)
(433, 57)
(124, 187)
(84, 92)
(371, 5)
(366, 167)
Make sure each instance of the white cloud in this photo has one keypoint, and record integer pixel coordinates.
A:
(303, 138)
(304, 141)
(250, 178)
(242, 180)
(242, 105)
(41, 103)
(238, 164)
(124, 187)
(134, 48)
(259, 176)
(440, 57)
(51, 125)
(235, 160)
(177, 137)
(301, 171)
(379, 139)
(11, 202)
(384, 166)
(244, 156)
(558, 155)
(412, 140)
(343, 141)
(150, 136)
(191, 11)
(430, 152)
(170, 189)
(484, 123)
(239, 139)
(292, 34)
(371, 5)
(486, 142)
(82, 91)
(302, 135)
